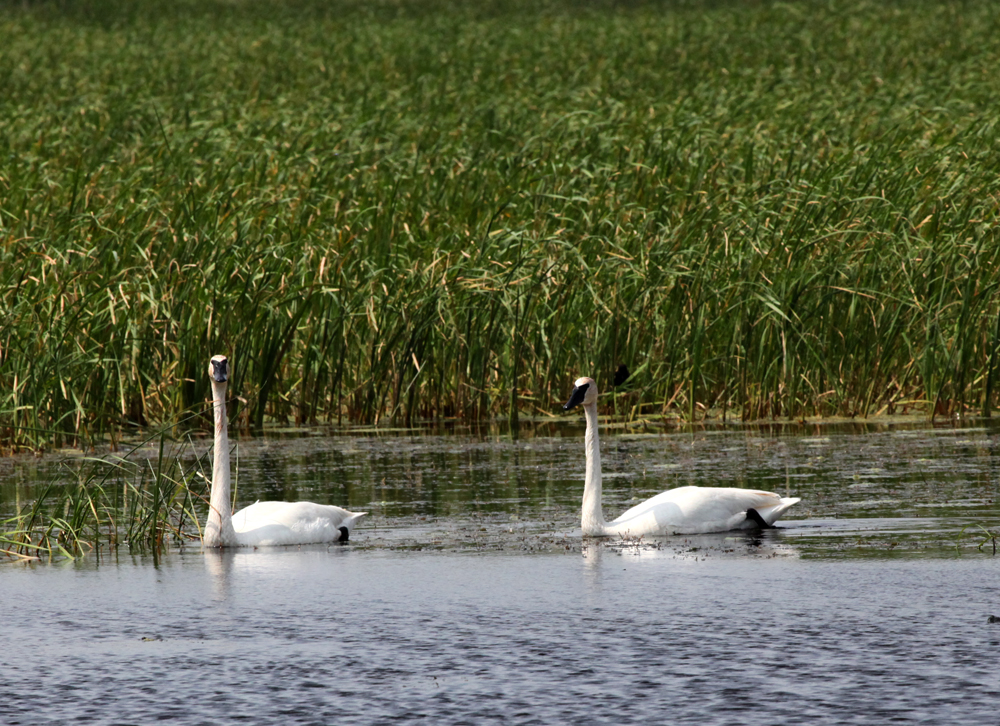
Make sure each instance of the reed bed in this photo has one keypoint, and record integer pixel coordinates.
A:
(402, 210)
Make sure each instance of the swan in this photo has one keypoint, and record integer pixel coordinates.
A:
(684, 510)
(263, 523)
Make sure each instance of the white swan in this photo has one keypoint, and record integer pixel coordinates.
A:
(685, 510)
(263, 523)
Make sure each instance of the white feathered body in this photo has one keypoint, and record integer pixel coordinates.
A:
(684, 510)
(262, 524)
(266, 524)
(697, 510)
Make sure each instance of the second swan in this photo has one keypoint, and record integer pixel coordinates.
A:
(685, 510)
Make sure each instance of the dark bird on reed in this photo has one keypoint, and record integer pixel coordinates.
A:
(621, 375)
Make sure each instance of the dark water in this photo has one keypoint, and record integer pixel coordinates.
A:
(470, 597)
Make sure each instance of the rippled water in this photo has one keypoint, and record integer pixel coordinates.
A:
(471, 598)
(338, 635)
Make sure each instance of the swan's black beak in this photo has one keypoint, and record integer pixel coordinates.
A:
(220, 370)
(576, 398)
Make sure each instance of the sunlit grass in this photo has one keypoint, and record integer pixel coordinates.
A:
(397, 210)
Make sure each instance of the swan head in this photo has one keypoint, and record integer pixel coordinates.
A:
(584, 392)
(218, 369)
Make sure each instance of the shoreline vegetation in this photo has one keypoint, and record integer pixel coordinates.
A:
(389, 212)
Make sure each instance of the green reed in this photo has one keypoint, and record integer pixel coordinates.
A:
(103, 503)
(397, 210)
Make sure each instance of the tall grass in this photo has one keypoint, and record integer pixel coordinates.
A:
(393, 210)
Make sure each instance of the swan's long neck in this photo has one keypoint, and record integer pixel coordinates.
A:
(592, 518)
(219, 530)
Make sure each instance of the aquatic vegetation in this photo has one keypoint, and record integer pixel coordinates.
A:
(139, 502)
(988, 535)
(406, 209)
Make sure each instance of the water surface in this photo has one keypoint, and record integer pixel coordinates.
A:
(338, 635)
(470, 597)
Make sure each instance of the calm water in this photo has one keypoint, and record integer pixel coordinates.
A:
(471, 598)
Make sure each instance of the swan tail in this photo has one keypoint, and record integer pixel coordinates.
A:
(767, 516)
(348, 524)
(352, 519)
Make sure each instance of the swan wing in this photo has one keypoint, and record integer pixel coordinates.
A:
(285, 523)
(696, 510)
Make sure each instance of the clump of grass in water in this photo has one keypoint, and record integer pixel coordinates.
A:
(773, 210)
(144, 504)
(987, 535)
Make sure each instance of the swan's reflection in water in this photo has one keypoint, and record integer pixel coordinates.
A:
(219, 565)
(770, 543)
(612, 563)
(233, 572)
